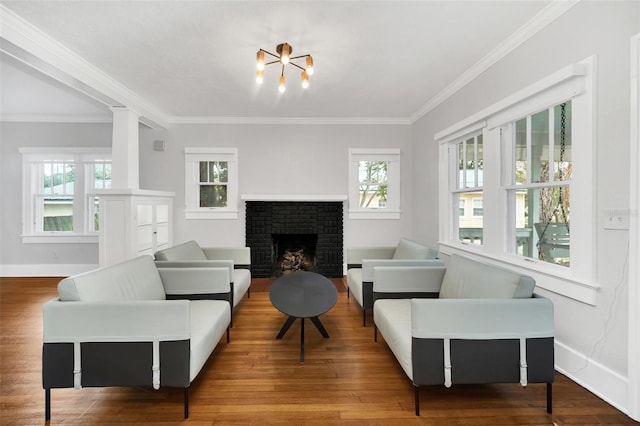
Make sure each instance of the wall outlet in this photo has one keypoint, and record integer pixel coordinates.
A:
(616, 219)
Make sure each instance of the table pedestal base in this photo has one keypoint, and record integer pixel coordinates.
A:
(291, 320)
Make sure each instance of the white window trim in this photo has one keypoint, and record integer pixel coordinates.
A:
(575, 82)
(79, 156)
(391, 156)
(193, 156)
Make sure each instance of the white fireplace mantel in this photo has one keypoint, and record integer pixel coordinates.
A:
(274, 197)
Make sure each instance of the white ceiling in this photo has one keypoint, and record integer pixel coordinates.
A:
(196, 59)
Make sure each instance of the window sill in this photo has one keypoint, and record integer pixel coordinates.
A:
(552, 278)
(199, 214)
(375, 214)
(59, 238)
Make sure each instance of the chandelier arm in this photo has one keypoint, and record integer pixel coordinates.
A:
(298, 57)
(269, 53)
(296, 65)
(272, 62)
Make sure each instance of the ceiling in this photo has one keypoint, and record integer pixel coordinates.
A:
(195, 60)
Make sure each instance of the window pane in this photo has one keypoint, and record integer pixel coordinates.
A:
(480, 162)
(461, 165)
(96, 213)
(470, 174)
(372, 177)
(562, 142)
(218, 171)
(204, 171)
(540, 147)
(213, 196)
(521, 152)
(470, 225)
(543, 224)
(57, 213)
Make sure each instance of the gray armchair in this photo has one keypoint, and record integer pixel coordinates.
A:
(485, 326)
(361, 263)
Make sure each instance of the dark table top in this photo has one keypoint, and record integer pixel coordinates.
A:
(303, 294)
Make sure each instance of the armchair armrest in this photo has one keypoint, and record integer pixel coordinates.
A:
(186, 279)
(368, 265)
(356, 255)
(118, 321)
(240, 256)
(482, 318)
(407, 279)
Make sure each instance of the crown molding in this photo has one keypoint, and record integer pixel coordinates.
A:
(293, 120)
(547, 15)
(30, 45)
(41, 118)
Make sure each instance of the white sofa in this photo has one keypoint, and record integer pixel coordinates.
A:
(114, 327)
(237, 260)
(487, 326)
(362, 261)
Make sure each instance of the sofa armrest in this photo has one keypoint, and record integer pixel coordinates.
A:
(356, 255)
(368, 265)
(479, 319)
(240, 256)
(407, 279)
(188, 280)
(117, 321)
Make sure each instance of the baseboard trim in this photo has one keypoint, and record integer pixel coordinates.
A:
(593, 376)
(44, 270)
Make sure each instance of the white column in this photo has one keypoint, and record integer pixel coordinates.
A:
(124, 149)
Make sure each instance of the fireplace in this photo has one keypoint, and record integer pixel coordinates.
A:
(293, 252)
(311, 232)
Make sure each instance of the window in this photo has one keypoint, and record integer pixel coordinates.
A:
(525, 166)
(59, 201)
(374, 189)
(467, 187)
(538, 160)
(211, 184)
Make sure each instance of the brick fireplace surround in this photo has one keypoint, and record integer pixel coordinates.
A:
(267, 218)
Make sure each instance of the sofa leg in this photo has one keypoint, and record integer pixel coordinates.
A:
(549, 398)
(364, 317)
(186, 402)
(228, 330)
(47, 404)
(348, 292)
(375, 332)
(417, 398)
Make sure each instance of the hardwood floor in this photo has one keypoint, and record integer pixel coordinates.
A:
(255, 379)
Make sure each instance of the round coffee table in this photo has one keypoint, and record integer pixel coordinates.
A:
(303, 295)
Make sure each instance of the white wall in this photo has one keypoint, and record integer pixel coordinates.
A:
(591, 340)
(278, 160)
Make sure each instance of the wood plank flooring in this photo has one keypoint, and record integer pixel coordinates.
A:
(257, 380)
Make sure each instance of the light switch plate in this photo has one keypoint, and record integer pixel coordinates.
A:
(616, 219)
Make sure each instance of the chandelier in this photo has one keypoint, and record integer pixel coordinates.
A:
(283, 57)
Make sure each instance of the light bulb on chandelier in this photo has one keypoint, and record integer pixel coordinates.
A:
(283, 57)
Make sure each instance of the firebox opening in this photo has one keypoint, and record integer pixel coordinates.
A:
(293, 252)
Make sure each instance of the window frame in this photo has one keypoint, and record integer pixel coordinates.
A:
(32, 214)
(575, 82)
(193, 157)
(392, 157)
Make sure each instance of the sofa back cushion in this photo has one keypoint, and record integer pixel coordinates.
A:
(185, 251)
(135, 279)
(408, 249)
(469, 279)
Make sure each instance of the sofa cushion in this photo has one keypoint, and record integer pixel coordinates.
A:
(468, 279)
(393, 320)
(354, 282)
(408, 249)
(209, 320)
(135, 279)
(185, 251)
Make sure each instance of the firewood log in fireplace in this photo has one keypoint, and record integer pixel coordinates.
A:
(292, 260)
